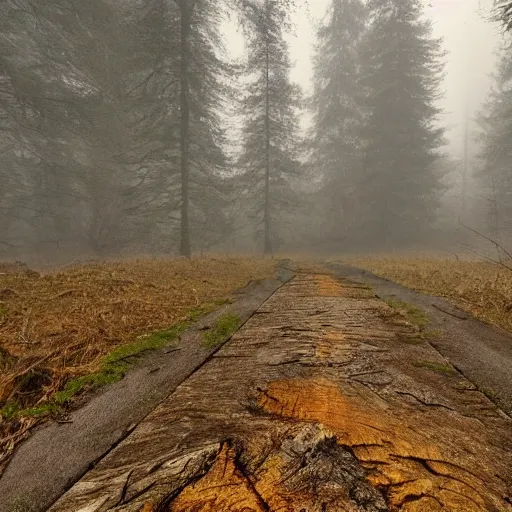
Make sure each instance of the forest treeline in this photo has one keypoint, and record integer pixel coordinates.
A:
(116, 128)
(494, 172)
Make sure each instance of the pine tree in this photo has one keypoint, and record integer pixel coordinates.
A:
(95, 110)
(201, 96)
(113, 123)
(337, 113)
(496, 133)
(399, 189)
(14, 169)
(269, 159)
(503, 12)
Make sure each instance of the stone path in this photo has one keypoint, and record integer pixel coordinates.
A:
(58, 454)
(326, 400)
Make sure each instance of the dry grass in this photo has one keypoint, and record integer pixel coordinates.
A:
(60, 325)
(481, 288)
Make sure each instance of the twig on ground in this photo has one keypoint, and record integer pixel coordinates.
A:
(451, 314)
(62, 294)
(26, 321)
(13, 377)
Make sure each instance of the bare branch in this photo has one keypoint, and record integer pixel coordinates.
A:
(501, 264)
(496, 244)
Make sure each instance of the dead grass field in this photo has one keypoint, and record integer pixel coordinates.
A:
(481, 288)
(64, 324)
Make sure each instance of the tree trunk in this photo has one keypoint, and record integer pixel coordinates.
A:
(268, 245)
(185, 11)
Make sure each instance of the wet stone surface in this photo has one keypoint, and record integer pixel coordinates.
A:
(326, 400)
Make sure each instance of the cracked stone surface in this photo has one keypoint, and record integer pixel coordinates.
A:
(317, 404)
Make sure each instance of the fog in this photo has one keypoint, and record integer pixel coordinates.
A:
(171, 127)
(470, 40)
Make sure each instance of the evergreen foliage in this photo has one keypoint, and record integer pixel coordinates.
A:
(496, 133)
(402, 70)
(337, 107)
(270, 134)
(113, 132)
(93, 124)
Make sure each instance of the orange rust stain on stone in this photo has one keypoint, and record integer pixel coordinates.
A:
(399, 457)
(320, 400)
(335, 337)
(148, 507)
(323, 348)
(223, 488)
(268, 486)
(328, 286)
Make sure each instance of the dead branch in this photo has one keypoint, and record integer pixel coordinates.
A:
(24, 328)
(62, 294)
(448, 313)
(496, 244)
(500, 263)
(40, 361)
(454, 253)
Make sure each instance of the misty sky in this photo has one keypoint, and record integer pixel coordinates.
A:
(469, 39)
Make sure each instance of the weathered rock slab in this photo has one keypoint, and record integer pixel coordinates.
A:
(324, 401)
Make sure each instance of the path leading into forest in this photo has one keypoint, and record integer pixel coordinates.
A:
(325, 400)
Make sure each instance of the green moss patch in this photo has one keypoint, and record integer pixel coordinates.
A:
(115, 364)
(20, 506)
(224, 327)
(113, 368)
(410, 340)
(413, 314)
(444, 369)
(488, 392)
(432, 334)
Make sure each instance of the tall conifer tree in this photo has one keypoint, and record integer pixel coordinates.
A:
(337, 113)
(402, 70)
(495, 175)
(269, 159)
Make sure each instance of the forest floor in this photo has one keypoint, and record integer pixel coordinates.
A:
(326, 389)
(329, 398)
(481, 288)
(71, 329)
